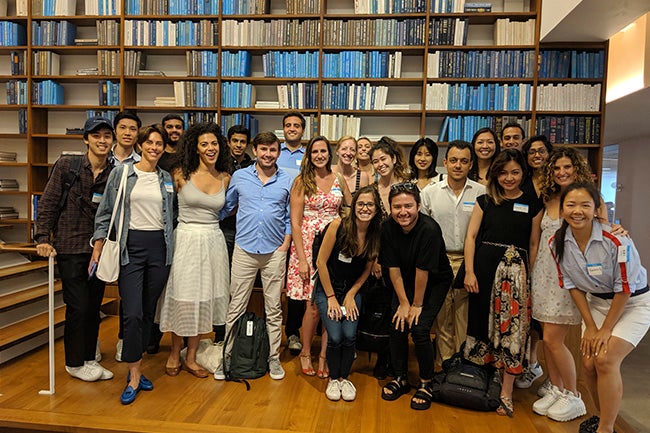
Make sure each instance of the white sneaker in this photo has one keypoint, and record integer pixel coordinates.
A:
(569, 406)
(275, 369)
(526, 380)
(333, 390)
(348, 391)
(86, 372)
(544, 388)
(294, 344)
(541, 406)
(219, 374)
(106, 374)
(98, 352)
(118, 350)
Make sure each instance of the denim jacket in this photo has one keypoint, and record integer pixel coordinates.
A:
(103, 216)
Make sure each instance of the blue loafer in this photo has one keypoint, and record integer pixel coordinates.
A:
(144, 385)
(128, 395)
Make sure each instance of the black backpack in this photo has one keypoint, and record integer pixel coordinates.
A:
(373, 330)
(249, 357)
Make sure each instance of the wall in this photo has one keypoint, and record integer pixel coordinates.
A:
(553, 12)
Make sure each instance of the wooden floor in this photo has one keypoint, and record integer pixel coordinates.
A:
(188, 404)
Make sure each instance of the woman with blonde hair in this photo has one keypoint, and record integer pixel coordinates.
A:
(346, 151)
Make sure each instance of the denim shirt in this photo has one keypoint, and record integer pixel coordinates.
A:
(103, 216)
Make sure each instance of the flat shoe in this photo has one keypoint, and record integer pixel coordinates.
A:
(144, 384)
(172, 371)
(199, 372)
(506, 407)
(129, 394)
(396, 388)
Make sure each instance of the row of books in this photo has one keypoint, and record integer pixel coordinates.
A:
(482, 97)
(46, 63)
(389, 6)
(335, 126)
(481, 64)
(276, 33)
(448, 31)
(53, 33)
(8, 185)
(202, 63)
(21, 8)
(196, 94)
(50, 8)
(229, 120)
(108, 32)
(569, 129)
(508, 32)
(571, 64)
(16, 92)
(7, 212)
(18, 62)
(303, 7)
(170, 33)
(464, 127)
(375, 32)
(171, 7)
(235, 64)
(47, 92)
(103, 7)
(134, 61)
(345, 96)
(568, 97)
(290, 64)
(6, 156)
(298, 95)
(247, 7)
(237, 95)
(13, 34)
(361, 64)
(447, 6)
(108, 62)
(109, 93)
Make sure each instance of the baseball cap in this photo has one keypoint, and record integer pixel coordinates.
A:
(97, 122)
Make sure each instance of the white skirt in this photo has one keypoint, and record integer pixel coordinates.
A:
(634, 321)
(198, 289)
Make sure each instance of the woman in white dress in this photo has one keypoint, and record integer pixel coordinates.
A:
(197, 292)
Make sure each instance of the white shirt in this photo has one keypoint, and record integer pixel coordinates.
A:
(452, 212)
(146, 202)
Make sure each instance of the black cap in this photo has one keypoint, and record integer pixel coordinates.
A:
(97, 122)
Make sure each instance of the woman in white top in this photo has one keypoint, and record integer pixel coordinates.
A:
(146, 247)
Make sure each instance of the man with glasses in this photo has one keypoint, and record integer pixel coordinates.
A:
(450, 203)
(413, 252)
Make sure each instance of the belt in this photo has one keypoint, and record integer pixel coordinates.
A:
(610, 295)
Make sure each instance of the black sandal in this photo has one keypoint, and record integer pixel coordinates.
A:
(396, 388)
(423, 393)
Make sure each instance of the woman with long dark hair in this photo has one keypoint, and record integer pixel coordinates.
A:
(422, 162)
(486, 148)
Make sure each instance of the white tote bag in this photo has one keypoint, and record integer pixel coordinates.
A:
(108, 266)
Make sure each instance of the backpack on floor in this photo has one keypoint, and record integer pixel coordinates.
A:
(249, 357)
(373, 330)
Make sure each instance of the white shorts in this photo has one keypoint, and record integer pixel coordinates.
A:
(634, 321)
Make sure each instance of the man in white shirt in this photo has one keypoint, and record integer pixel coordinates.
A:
(450, 203)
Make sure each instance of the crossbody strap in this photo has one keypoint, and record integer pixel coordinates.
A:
(119, 202)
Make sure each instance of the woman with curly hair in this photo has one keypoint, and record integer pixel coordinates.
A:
(316, 197)
(197, 292)
(422, 162)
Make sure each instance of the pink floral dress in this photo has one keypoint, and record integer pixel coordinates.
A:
(320, 209)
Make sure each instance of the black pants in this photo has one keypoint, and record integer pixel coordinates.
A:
(421, 335)
(141, 283)
(83, 298)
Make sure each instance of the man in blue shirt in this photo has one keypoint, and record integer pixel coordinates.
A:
(262, 240)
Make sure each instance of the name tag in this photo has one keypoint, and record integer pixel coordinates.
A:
(519, 207)
(169, 187)
(623, 253)
(345, 259)
(298, 162)
(97, 197)
(249, 328)
(468, 206)
(595, 269)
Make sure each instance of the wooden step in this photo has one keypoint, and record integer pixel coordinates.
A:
(22, 297)
(22, 269)
(28, 328)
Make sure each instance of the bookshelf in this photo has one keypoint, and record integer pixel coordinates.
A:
(423, 68)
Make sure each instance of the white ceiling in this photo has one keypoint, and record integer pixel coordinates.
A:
(628, 117)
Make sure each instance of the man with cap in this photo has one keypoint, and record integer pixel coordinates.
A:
(64, 225)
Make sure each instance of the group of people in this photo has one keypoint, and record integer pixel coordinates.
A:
(486, 223)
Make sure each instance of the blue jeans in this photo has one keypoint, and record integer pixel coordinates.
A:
(341, 335)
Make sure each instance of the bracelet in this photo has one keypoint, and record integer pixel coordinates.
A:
(416, 306)
(331, 296)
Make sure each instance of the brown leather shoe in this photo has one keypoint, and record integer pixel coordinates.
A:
(199, 372)
(172, 371)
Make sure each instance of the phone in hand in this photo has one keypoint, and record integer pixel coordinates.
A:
(93, 268)
(343, 312)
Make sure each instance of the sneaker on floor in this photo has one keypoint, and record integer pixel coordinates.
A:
(333, 390)
(569, 406)
(544, 388)
(348, 391)
(106, 374)
(118, 350)
(98, 352)
(86, 372)
(541, 406)
(275, 369)
(219, 373)
(526, 380)
(294, 344)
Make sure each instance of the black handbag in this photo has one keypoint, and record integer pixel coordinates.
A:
(373, 330)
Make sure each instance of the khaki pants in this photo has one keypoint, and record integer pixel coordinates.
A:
(452, 318)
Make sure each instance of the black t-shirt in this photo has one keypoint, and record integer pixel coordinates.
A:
(422, 248)
(344, 271)
(168, 161)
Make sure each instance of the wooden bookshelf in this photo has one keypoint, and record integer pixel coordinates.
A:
(405, 115)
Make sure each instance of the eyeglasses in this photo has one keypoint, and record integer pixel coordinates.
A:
(542, 151)
(404, 187)
(369, 205)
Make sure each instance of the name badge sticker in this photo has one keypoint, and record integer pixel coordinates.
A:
(623, 253)
(520, 207)
(97, 197)
(595, 269)
(169, 187)
(298, 162)
(345, 259)
(468, 206)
